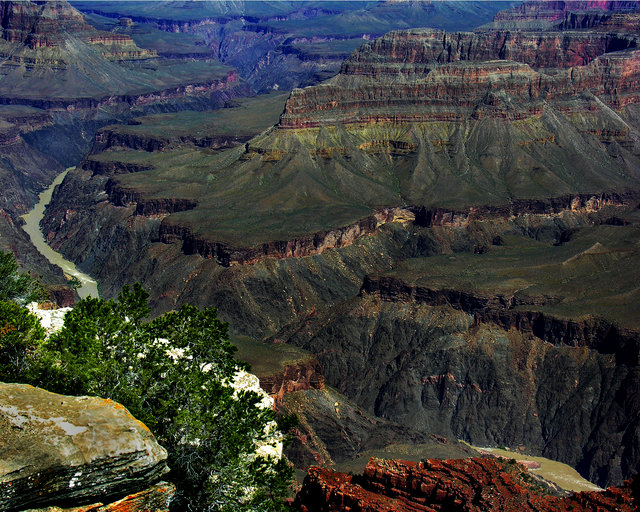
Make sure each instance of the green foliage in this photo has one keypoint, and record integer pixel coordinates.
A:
(21, 337)
(18, 287)
(172, 373)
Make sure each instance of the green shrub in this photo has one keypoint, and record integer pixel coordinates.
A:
(172, 373)
(21, 337)
(18, 287)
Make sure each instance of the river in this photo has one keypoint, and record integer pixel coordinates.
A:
(88, 286)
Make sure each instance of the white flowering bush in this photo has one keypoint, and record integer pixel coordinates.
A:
(177, 374)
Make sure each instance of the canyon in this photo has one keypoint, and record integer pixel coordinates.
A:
(430, 358)
(447, 229)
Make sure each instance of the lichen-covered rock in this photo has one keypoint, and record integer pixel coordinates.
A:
(58, 449)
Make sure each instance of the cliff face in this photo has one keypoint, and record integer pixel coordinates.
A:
(426, 75)
(301, 376)
(39, 24)
(511, 312)
(455, 485)
(551, 11)
(432, 367)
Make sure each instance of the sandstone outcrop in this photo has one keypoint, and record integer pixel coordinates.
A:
(472, 485)
(60, 449)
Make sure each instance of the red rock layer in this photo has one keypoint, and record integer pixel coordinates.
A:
(299, 376)
(470, 485)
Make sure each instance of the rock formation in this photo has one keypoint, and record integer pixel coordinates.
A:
(60, 449)
(452, 485)
(427, 75)
(39, 24)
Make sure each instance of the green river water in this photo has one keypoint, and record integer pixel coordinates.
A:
(88, 287)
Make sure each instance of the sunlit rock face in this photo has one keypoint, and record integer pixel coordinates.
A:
(59, 449)
(51, 319)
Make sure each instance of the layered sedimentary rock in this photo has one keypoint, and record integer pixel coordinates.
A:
(47, 25)
(299, 376)
(39, 24)
(543, 13)
(52, 57)
(427, 75)
(154, 499)
(59, 449)
(452, 485)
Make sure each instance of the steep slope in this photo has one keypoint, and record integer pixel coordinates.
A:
(49, 52)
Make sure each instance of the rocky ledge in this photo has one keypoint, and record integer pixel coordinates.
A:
(226, 255)
(478, 484)
(69, 451)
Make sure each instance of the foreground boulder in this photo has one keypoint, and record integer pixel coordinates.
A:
(64, 450)
(478, 484)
